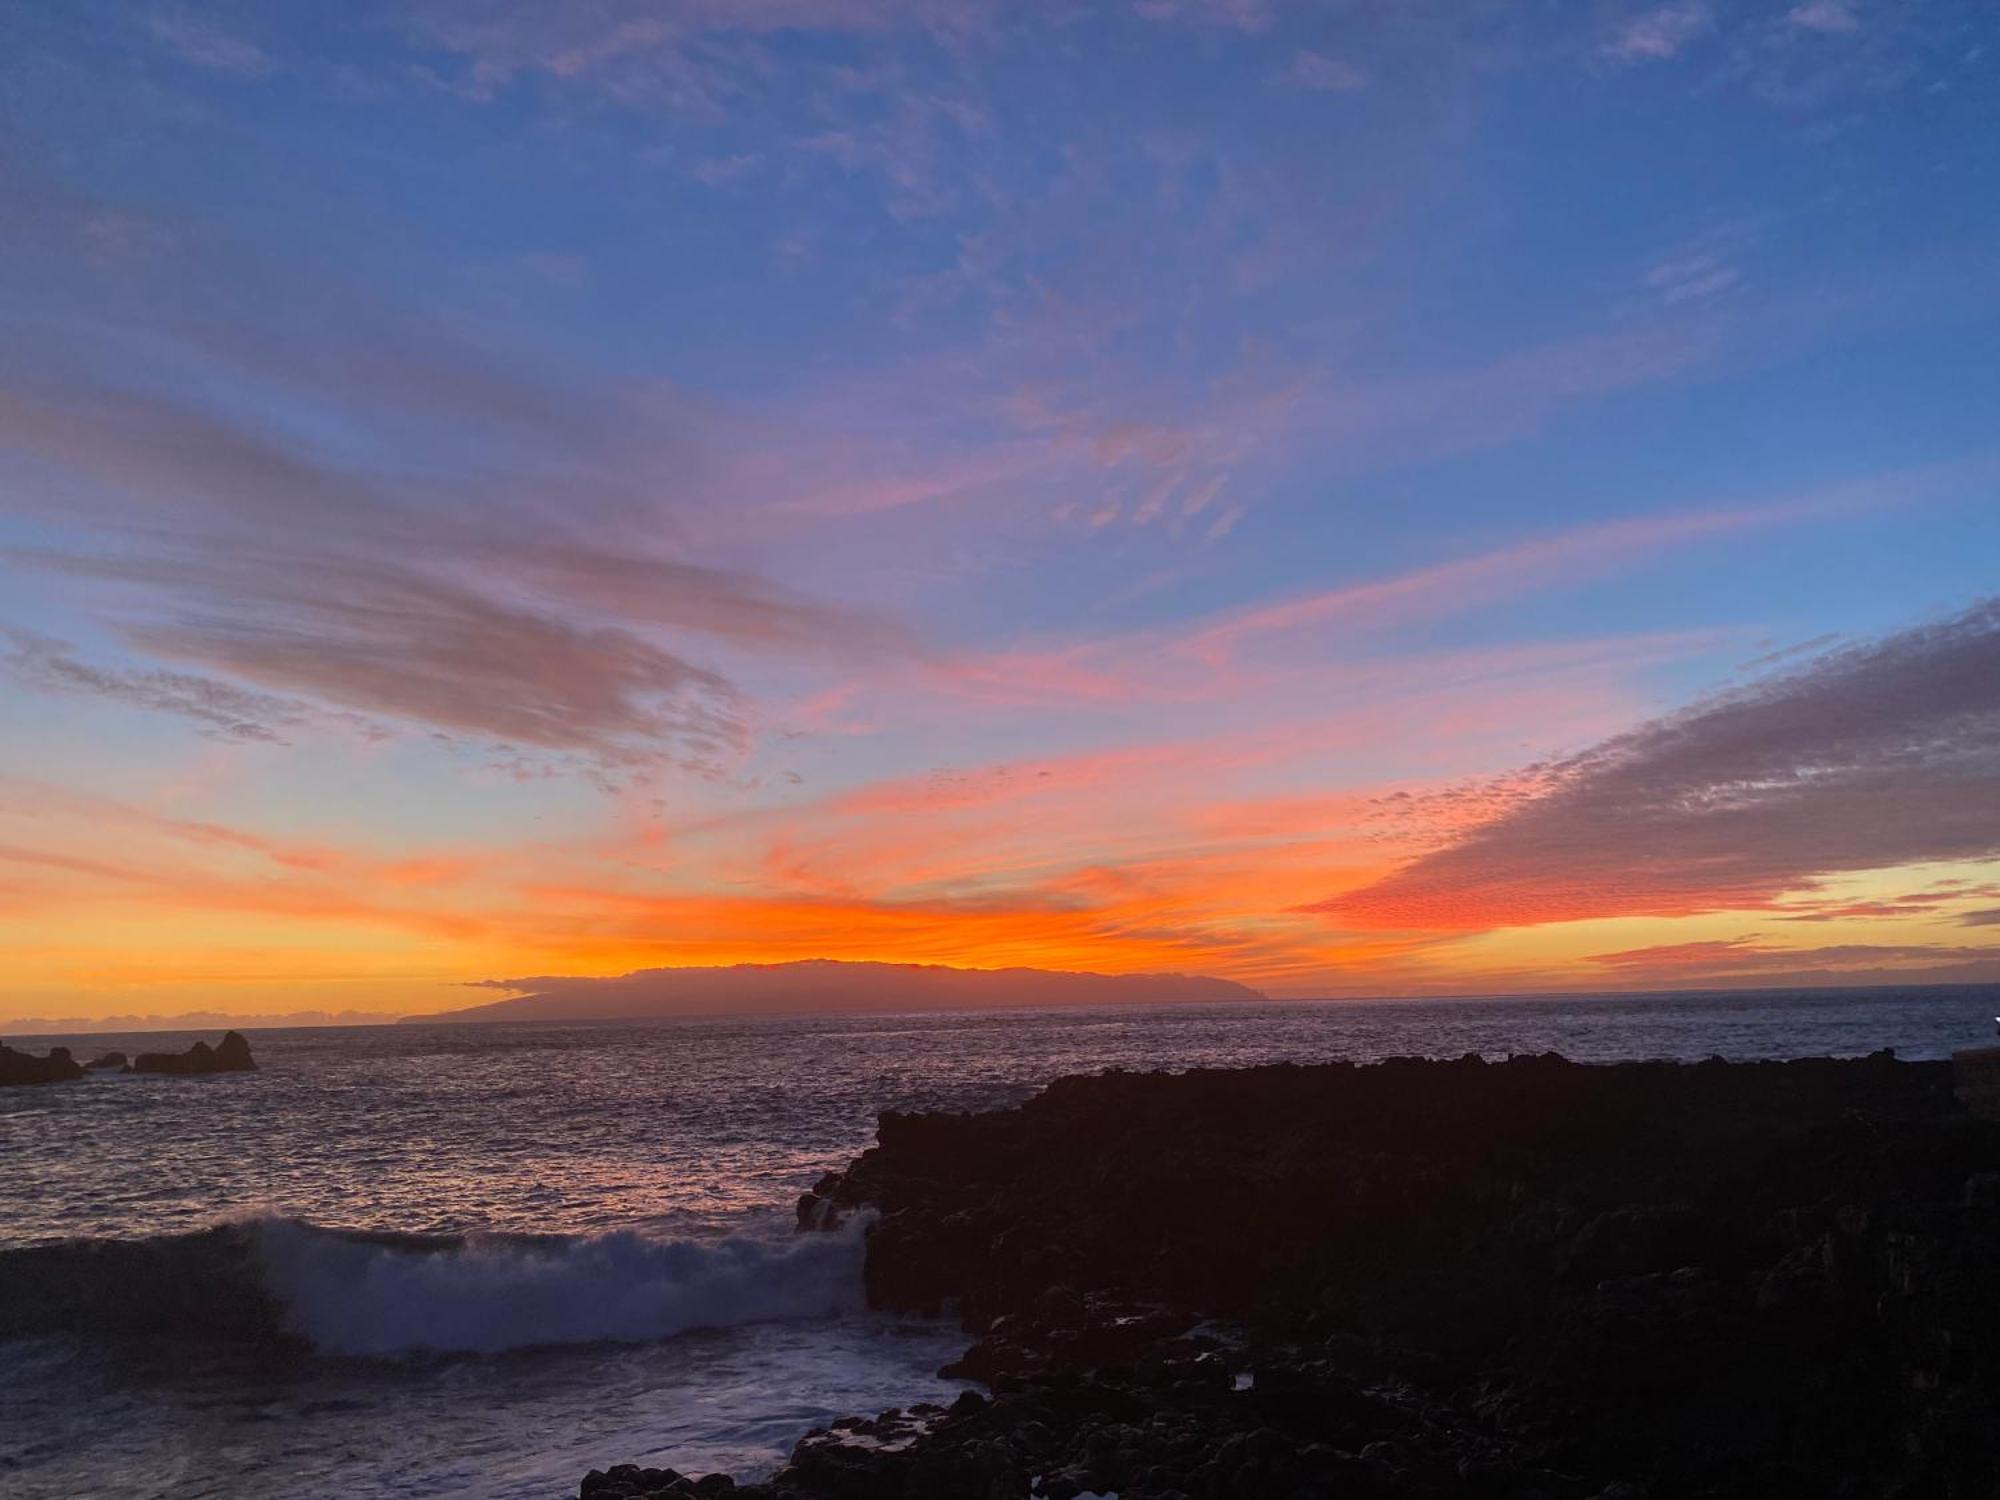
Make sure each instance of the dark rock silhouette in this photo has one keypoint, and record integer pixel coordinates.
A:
(630, 1479)
(232, 1055)
(1976, 1080)
(107, 1060)
(24, 1067)
(1518, 1279)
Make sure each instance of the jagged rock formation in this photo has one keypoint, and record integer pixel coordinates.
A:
(1523, 1279)
(25, 1067)
(231, 1055)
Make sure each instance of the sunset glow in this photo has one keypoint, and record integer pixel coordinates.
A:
(496, 490)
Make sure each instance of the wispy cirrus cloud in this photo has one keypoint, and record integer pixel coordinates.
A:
(1660, 32)
(202, 41)
(1919, 903)
(177, 885)
(1467, 583)
(417, 647)
(1833, 17)
(1318, 73)
(281, 571)
(722, 171)
(581, 533)
(1881, 754)
(1751, 961)
(222, 710)
(38, 801)
(1197, 658)
(1251, 16)
(695, 58)
(1751, 952)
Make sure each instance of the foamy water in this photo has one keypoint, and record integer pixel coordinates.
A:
(491, 1294)
(581, 1248)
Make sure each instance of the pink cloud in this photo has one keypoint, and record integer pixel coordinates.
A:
(1874, 756)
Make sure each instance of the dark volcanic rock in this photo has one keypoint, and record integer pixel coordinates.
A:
(1529, 1278)
(25, 1067)
(631, 1482)
(108, 1060)
(231, 1056)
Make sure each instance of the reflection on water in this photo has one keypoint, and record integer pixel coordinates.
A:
(690, 1126)
(700, 1131)
(136, 1421)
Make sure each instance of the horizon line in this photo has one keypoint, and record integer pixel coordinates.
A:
(255, 1021)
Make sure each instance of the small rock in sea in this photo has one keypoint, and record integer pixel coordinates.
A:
(24, 1067)
(231, 1056)
(107, 1060)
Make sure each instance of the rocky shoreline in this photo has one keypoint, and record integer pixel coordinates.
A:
(1519, 1279)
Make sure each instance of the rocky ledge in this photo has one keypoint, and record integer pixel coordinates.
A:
(1521, 1279)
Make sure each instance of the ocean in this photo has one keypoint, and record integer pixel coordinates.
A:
(514, 1252)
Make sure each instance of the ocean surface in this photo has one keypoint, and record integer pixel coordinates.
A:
(518, 1251)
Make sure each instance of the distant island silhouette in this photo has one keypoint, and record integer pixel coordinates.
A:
(828, 985)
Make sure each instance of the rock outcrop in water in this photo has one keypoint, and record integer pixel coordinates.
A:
(232, 1055)
(1521, 1279)
(24, 1067)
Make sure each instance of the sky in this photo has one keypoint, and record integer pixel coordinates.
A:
(1358, 497)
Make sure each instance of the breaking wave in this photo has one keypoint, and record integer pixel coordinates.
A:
(485, 1295)
(347, 1293)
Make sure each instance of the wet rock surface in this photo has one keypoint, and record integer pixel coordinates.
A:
(1518, 1279)
(631, 1481)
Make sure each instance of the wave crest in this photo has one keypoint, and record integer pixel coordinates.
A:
(351, 1293)
(489, 1294)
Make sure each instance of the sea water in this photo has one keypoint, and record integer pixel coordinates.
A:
(504, 1254)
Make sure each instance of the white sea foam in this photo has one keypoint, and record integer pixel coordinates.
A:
(348, 1296)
